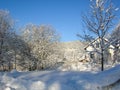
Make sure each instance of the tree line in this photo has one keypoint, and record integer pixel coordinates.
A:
(34, 48)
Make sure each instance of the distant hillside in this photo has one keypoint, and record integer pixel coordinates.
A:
(73, 53)
(73, 50)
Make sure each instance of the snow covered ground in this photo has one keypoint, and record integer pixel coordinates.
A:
(59, 80)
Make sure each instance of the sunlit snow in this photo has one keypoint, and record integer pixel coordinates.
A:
(59, 80)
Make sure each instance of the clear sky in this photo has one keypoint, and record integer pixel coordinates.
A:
(63, 15)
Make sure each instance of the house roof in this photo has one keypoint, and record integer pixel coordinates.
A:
(91, 43)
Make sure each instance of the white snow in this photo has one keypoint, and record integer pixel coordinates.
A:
(116, 9)
(59, 80)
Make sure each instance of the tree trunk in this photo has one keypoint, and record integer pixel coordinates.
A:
(15, 60)
(102, 61)
(102, 54)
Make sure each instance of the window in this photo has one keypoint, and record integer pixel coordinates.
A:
(97, 45)
(91, 55)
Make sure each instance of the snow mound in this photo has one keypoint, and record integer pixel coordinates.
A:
(59, 80)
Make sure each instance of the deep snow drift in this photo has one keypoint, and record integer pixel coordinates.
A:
(57, 80)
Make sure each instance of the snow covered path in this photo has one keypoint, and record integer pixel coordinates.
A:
(57, 80)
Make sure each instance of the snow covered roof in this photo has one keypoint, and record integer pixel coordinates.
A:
(97, 40)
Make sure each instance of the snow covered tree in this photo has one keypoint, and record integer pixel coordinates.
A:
(98, 22)
(17, 50)
(6, 24)
(42, 40)
(115, 40)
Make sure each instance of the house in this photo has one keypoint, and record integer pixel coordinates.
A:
(93, 51)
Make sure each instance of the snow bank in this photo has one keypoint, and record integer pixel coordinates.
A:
(57, 80)
(109, 76)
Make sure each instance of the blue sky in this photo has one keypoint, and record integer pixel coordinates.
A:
(63, 15)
